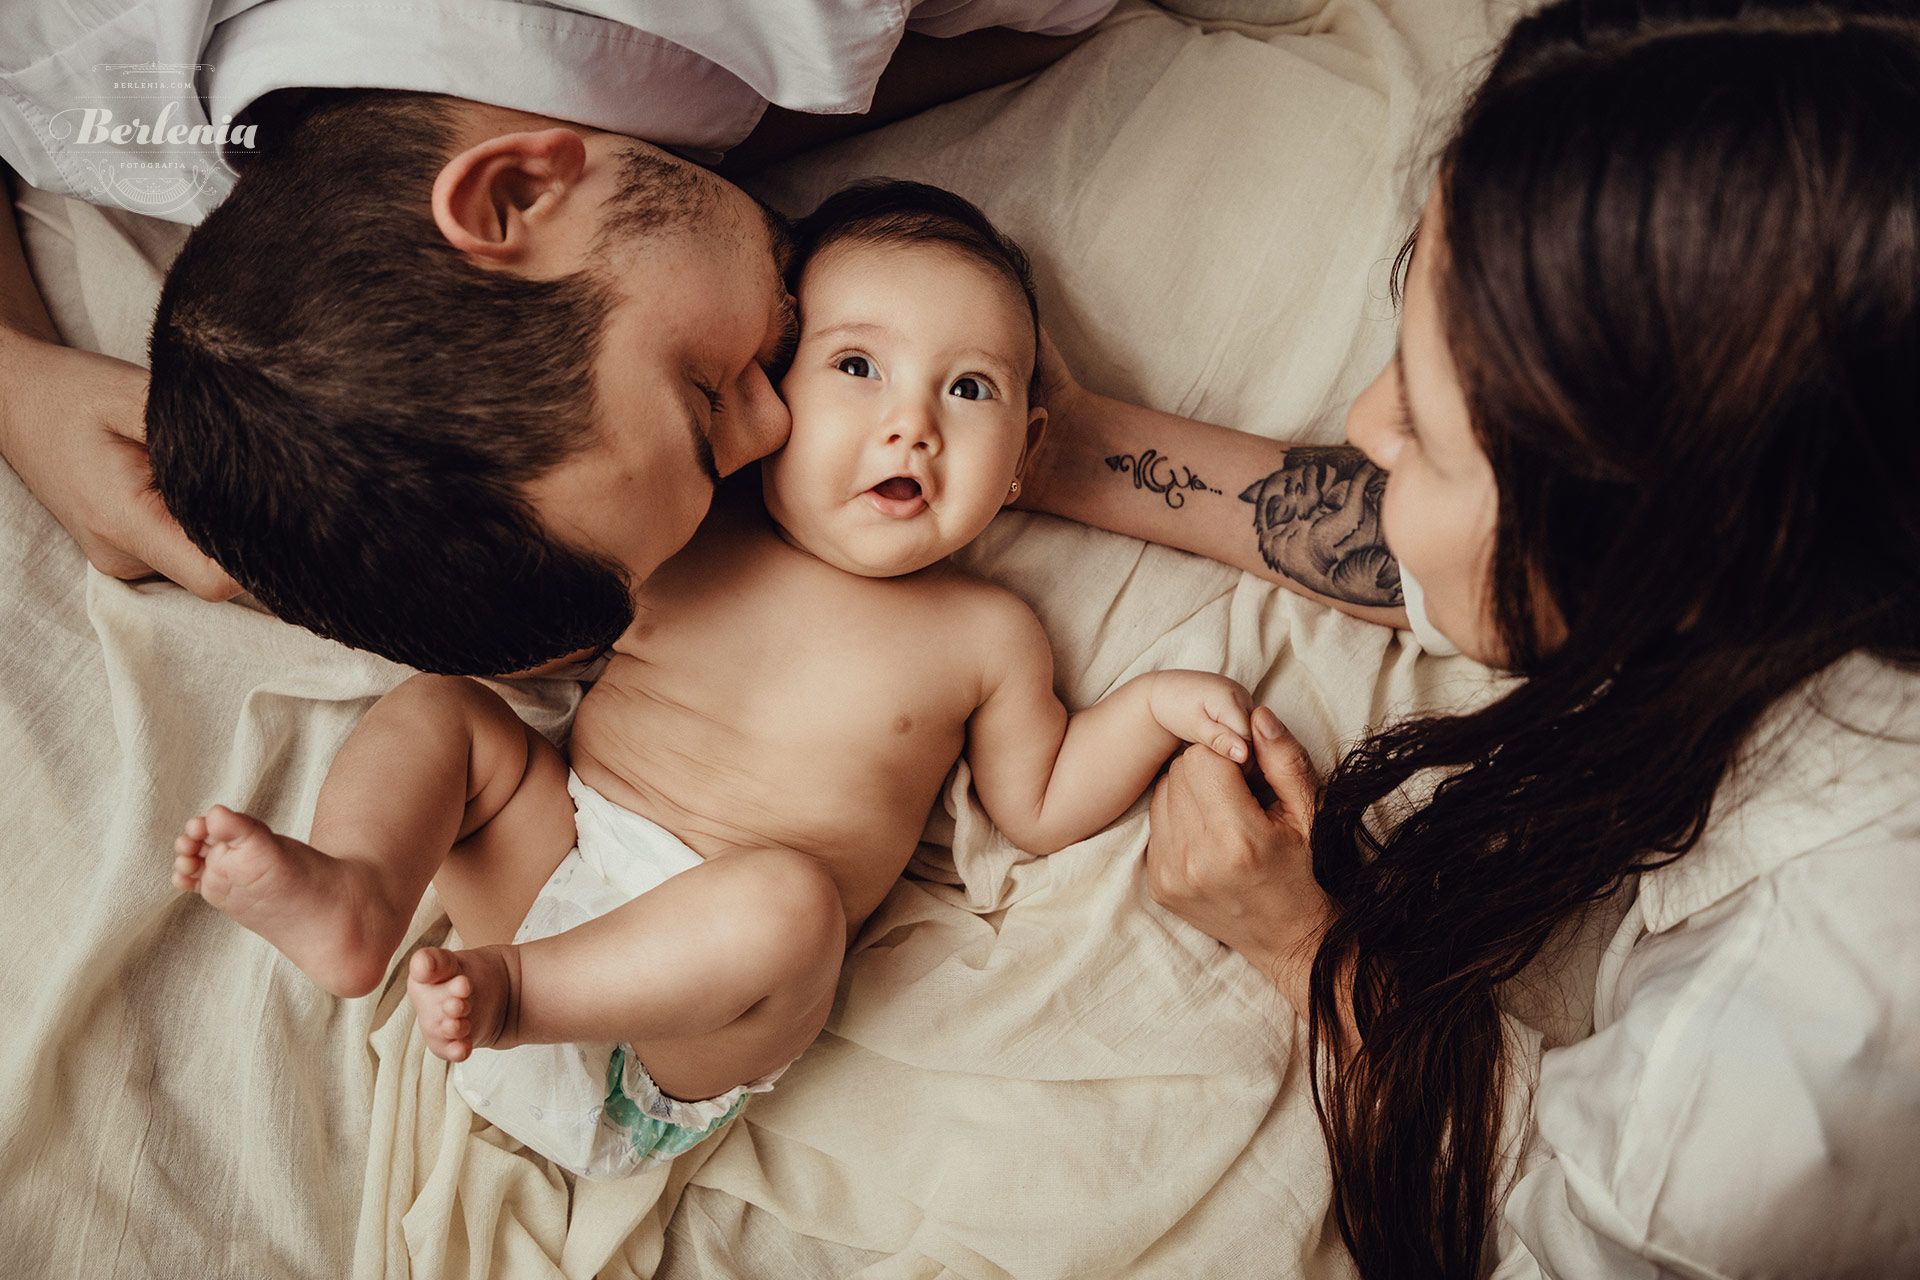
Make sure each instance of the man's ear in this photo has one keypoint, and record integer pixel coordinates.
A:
(492, 200)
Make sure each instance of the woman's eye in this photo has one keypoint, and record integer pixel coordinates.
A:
(971, 388)
(858, 366)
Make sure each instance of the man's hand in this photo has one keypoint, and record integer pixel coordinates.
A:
(1235, 869)
(72, 424)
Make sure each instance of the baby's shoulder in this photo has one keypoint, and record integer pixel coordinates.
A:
(997, 625)
(961, 594)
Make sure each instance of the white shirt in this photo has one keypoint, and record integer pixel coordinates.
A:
(694, 75)
(1749, 1101)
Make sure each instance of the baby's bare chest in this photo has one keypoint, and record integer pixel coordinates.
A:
(866, 664)
(796, 707)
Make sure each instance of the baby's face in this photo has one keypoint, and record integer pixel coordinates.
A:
(909, 400)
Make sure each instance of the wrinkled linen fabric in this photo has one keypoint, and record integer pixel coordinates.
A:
(1031, 1070)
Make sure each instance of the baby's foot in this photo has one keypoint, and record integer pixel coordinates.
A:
(464, 999)
(323, 913)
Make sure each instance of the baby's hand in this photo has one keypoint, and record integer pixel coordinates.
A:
(1198, 706)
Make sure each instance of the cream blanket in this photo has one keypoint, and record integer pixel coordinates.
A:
(1031, 1070)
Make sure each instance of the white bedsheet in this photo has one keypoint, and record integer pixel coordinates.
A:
(1031, 1070)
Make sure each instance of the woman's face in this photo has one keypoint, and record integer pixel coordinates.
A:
(1439, 510)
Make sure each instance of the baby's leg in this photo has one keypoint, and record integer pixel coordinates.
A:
(435, 763)
(716, 977)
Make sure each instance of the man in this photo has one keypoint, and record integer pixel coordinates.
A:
(536, 217)
(704, 79)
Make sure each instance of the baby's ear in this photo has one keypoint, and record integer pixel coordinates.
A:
(1036, 432)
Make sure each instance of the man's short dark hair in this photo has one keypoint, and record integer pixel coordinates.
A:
(345, 411)
(894, 211)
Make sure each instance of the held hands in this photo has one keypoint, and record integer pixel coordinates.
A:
(1238, 870)
(1202, 708)
(72, 424)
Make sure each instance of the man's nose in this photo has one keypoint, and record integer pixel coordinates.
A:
(777, 419)
(759, 425)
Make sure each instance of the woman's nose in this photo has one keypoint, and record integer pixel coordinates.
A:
(1371, 421)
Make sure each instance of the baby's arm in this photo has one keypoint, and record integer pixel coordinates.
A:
(1048, 779)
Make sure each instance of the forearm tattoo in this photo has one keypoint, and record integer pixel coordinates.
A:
(1318, 522)
(1155, 474)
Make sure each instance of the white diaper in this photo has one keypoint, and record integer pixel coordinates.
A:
(593, 1108)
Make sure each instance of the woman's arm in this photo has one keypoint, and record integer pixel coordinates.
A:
(1304, 516)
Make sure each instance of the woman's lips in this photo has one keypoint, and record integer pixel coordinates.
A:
(898, 496)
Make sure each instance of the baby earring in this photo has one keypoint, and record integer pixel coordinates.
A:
(1013, 490)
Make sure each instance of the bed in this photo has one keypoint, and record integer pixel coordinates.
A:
(1030, 1070)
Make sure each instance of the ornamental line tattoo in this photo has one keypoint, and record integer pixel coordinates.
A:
(1153, 472)
(1318, 522)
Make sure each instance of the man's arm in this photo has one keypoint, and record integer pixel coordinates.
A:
(1304, 516)
(925, 71)
(72, 426)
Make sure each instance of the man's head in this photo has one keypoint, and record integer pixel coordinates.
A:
(445, 381)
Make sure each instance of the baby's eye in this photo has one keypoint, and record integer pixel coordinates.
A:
(971, 388)
(858, 366)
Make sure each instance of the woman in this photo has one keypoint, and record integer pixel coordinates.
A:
(1653, 434)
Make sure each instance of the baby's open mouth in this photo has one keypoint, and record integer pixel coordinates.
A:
(898, 488)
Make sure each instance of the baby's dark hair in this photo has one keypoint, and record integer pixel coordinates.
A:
(893, 211)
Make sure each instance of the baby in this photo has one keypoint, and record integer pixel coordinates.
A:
(657, 931)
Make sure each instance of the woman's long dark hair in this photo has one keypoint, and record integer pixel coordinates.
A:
(1679, 267)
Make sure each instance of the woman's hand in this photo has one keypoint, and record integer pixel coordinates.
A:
(72, 424)
(1239, 870)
